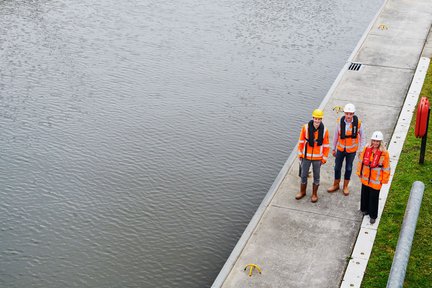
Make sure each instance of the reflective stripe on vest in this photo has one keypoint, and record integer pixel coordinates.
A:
(371, 180)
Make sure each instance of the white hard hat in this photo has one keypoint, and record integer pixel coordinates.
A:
(377, 135)
(350, 108)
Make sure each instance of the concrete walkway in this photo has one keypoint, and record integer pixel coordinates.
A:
(301, 244)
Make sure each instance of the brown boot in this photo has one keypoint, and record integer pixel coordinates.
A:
(302, 192)
(345, 187)
(335, 186)
(314, 197)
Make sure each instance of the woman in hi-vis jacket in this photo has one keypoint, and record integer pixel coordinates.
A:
(374, 170)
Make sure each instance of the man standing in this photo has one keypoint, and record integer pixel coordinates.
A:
(348, 136)
(313, 149)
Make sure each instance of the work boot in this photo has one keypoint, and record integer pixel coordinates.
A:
(345, 187)
(302, 192)
(314, 197)
(335, 186)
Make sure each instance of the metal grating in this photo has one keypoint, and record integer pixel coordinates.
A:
(354, 66)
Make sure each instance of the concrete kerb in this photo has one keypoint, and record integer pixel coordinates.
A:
(363, 247)
(229, 264)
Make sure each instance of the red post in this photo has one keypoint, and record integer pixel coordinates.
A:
(424, 138)
(422, 125)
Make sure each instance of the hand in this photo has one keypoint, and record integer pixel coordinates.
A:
(334, 153)
(323, 162)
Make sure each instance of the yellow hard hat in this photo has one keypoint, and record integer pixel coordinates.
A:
(318, 113)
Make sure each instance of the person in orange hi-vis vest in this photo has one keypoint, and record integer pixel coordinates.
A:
(313, 149)
(373, 169)
(347, 140)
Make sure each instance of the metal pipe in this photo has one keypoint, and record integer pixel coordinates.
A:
(403, 248)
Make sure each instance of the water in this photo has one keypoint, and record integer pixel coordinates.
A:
(139, 137)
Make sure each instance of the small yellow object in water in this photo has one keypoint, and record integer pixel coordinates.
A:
(251, 267)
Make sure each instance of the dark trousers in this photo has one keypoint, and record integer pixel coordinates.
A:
(369, 201)
(349, 159)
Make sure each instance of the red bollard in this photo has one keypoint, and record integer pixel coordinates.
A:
(422, 124)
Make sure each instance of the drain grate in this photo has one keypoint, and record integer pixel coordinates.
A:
(354, 66)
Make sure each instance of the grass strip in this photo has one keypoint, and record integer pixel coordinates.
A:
(419, 270)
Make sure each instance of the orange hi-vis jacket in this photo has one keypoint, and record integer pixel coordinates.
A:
(374, 177)
(350, 145)
(316, 152)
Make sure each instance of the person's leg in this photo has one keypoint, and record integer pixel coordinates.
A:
(349, 165)
(338, 164)
(348, 170)
(337, 172)
(305, 165)
(364, 200)
(316, 166)
(373, 203)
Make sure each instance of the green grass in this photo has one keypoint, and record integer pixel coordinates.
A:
(419, 271)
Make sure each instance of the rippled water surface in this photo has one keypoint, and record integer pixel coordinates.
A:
(139, 137)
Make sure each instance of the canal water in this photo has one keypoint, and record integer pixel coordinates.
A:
(139, 137)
